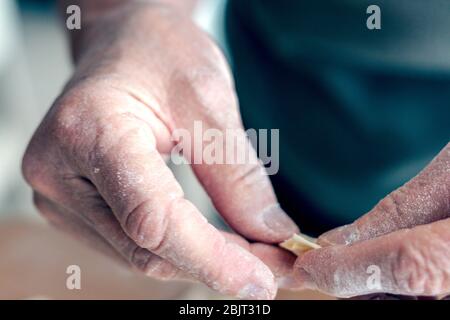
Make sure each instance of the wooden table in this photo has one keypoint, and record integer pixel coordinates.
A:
(34, 258)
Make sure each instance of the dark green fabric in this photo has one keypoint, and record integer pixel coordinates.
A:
(360, 112)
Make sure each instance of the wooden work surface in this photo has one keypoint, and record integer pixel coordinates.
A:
(34, 258)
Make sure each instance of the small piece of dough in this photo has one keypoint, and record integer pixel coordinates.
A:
(299, 243)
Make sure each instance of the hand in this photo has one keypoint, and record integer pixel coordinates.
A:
(406, 235)
(96, 166)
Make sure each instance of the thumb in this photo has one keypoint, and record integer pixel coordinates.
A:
(422, 200)
(226, 164)
(244, 196)
(407, 262)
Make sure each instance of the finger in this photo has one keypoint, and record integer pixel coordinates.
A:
(231, 174)
(244, 196)
(279, 261)
(148, 202)
(422, 200)
(75, 226)
(81, 200)
(408, 262)
(92, 227)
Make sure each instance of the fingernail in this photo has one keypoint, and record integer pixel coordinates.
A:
(254, 292)
(279, 222)
(347, 234)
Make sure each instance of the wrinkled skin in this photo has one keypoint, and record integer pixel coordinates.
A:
(406, 235)
(96, 166)
(96, 161)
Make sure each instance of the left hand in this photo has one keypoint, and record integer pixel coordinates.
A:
(405, 238)
(96, 162)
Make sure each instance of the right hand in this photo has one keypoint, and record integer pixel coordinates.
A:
(96, 166)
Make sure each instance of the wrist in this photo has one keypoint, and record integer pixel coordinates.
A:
(100, 21)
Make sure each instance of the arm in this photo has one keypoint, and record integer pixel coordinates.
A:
(95, 10)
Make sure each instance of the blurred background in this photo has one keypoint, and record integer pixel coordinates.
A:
(34, 66)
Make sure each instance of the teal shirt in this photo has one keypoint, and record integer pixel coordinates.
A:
(360, 111)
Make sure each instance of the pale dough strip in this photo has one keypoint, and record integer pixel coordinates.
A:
(299, 243)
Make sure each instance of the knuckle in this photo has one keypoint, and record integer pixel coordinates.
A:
(390, 205)
(209, 87)
(249, 174)
(405, 270)
(58, 134)
(151, 264)
(72, 122)
(80, 126)
(208, 75)
(66, 124)
(113, 131)
(31, 166)
(392, 209)
(42, 207)
(146, 226)
(416, 272)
